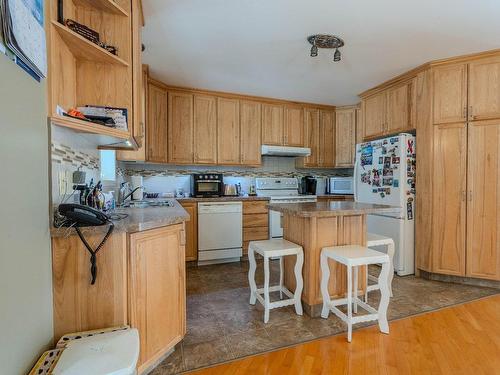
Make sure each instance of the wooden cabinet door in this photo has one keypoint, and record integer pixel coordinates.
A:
(398, 109)
(345, 123)
(359, 125)
(157, 290)
(484, 89)
(228, 131)
(312, 137)
(483, 207)
(180, 127)
(272, 124)
(327, 139)
(294, 126)
(250, 129)
(374, 115)
(156, 131)
(191, 228)
(450, 93)
(449, 193)
(205, 129)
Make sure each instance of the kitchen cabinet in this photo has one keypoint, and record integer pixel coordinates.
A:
(398, 109)
(327, 139)
(312, 136)
(228, 131)
(250, 132)
(156, 122)
(483, 182)
(157, 291)
(255, 222)
(449, 198)
(484, 89)
(205, 129)
(374, 115)
(180, 128)
(345, 125)
(450, 93)
(191, 227)
(294, 126)
(359, 125)
(272, 124)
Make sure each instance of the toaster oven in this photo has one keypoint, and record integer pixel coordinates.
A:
(340, 185)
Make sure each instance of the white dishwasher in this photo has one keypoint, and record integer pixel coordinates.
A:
(220, 237)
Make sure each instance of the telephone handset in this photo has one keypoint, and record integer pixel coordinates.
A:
(83, 216)
(78, 215)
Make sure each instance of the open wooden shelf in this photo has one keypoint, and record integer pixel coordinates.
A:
(88, 127)
(85, 49)
(108, 6)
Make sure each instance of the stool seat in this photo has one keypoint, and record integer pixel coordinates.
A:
(271, 249)
(374, 239)
(355, 255)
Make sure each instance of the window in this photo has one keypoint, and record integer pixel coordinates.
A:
(108, 165)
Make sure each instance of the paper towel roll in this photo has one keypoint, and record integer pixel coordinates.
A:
(137, 182)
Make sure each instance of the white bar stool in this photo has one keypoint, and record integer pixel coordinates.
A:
(354, 256)
(271, 249)
(374, 239)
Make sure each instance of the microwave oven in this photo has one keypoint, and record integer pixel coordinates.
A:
(340, 185)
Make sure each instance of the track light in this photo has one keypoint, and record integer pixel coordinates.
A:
(336, 55)
(314, 51)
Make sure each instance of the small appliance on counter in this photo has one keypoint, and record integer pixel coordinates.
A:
(232, 190)
(207, 185)
(340, 185)
(137, 187)
(307, 185)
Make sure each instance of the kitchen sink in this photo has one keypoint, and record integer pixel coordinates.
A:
(148, 203)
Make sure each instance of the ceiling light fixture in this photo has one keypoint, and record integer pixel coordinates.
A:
(326, 41)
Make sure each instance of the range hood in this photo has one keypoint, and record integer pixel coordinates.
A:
(285, 151)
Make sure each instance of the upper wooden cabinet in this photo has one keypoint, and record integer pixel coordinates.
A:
(156, 132)
(398, 108)
(327, 139)
(449, 198)
(205, 129)
(450, 93)
(180, 128)
(483, 181)
(345, 137)
(374, 115)
(250, 132)
(228, 131)
(484, 89)
(294, 126)
(312, 136)
(272, 124)
(359, 125)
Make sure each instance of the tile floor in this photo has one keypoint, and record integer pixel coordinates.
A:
(222, 326)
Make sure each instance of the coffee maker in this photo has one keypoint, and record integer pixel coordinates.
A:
(307, 185)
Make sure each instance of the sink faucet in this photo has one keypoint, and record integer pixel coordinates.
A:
(124, 196)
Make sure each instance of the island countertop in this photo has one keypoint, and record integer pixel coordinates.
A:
(331, 209)
(136, 220)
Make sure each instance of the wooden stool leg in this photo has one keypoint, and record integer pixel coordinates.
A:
(325, 276)
(349, 303)
(251, 275)
(384, 298)
(298, 282)
(390, 252)
(266, 289)
(366, 290)
(355, 290)
(281, 277)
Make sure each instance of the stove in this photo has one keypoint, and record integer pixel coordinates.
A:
(280, 190)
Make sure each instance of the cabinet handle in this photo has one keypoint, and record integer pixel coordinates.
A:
(465, 112)
(470, 195)
(464, 196)
(471, 115)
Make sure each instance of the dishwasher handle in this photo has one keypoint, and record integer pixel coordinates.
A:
(219, 207)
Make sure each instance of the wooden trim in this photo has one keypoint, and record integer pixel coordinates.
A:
(239, 96)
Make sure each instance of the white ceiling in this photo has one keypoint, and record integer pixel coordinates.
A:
(259, 47)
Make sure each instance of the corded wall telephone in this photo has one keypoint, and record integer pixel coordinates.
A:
(78, 216)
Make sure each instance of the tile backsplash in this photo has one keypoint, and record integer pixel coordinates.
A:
(168, 178)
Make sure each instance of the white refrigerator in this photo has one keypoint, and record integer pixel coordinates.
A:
(384, 173)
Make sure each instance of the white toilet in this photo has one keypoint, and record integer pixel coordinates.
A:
(108, 353)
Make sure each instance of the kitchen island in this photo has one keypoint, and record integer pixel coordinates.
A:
(321, 224)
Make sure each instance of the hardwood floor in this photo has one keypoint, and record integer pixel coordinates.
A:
(463, 339)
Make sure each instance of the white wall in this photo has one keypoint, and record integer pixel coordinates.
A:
(25, 261)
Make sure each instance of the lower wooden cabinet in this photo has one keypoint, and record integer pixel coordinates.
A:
(255, 222)
(191, 230)
(157, 291)
(140, 281)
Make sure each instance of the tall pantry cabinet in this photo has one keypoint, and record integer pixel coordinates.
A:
(462, 148)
